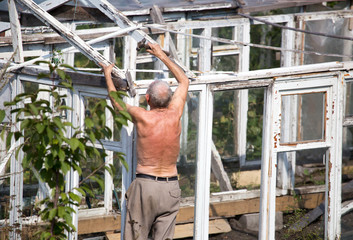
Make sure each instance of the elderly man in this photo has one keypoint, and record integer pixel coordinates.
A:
(153, 197)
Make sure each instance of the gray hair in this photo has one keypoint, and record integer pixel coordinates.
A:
(160, 94)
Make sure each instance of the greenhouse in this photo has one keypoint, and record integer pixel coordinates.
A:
(266, 148)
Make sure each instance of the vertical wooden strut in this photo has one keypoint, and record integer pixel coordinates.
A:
(76, 41)
(15, 31)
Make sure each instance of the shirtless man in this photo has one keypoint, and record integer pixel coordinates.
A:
(153, 197)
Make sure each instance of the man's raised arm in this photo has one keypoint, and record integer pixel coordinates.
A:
(180, 94)
(107, 70)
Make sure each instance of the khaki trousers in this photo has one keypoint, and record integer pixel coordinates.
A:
(152, 207)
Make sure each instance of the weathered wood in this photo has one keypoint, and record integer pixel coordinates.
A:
(215, 227)
(119, 18)
(218, 170)
(99, 224)
(187, 230)
(16, 32)
(347, 207)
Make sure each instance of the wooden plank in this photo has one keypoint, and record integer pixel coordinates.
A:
(187, 230)
(113, 236)
(99, 224)
(215, 226)
(218, 170)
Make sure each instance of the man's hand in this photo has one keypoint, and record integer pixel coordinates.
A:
(107, 69)
(155, 50)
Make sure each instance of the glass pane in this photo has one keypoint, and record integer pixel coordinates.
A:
(187, 157)
(254, 124)
(323, 44)
(5, 96)
(119, 52)
(29, 87)
(309, 193)
(225, 121)
(5, 191)
(145, 75)
(226, 134)
(81, 61)
(196, 40)
(117, 181)
(96, 199)
(30, 191)
(89, 104)
(347, 178)
(303, 117)
(265, 35)
(195, 48)
(222, 32)
(225, 63)
(116, 132)
(349, 99)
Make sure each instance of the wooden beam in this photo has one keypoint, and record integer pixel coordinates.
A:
(218, 170)
(70, 36)
(15, 31)
(99, 224)
(122, 21)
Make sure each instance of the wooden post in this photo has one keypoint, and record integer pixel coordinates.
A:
(15, 31)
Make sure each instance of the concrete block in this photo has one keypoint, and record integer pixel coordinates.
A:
(251, 221)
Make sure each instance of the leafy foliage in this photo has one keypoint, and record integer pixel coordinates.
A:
(48, 147)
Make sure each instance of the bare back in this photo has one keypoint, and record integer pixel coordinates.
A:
(158, 130)
(158, 142)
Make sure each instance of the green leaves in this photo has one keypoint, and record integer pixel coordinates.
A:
(2, 115)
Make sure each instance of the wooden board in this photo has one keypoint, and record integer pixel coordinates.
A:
(99, 224)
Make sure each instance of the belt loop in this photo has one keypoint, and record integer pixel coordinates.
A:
(167, 179)
(156, 178)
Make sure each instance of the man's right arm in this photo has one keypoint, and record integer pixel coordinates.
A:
(180, 94)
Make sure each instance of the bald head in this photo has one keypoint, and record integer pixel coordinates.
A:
(160, 94)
